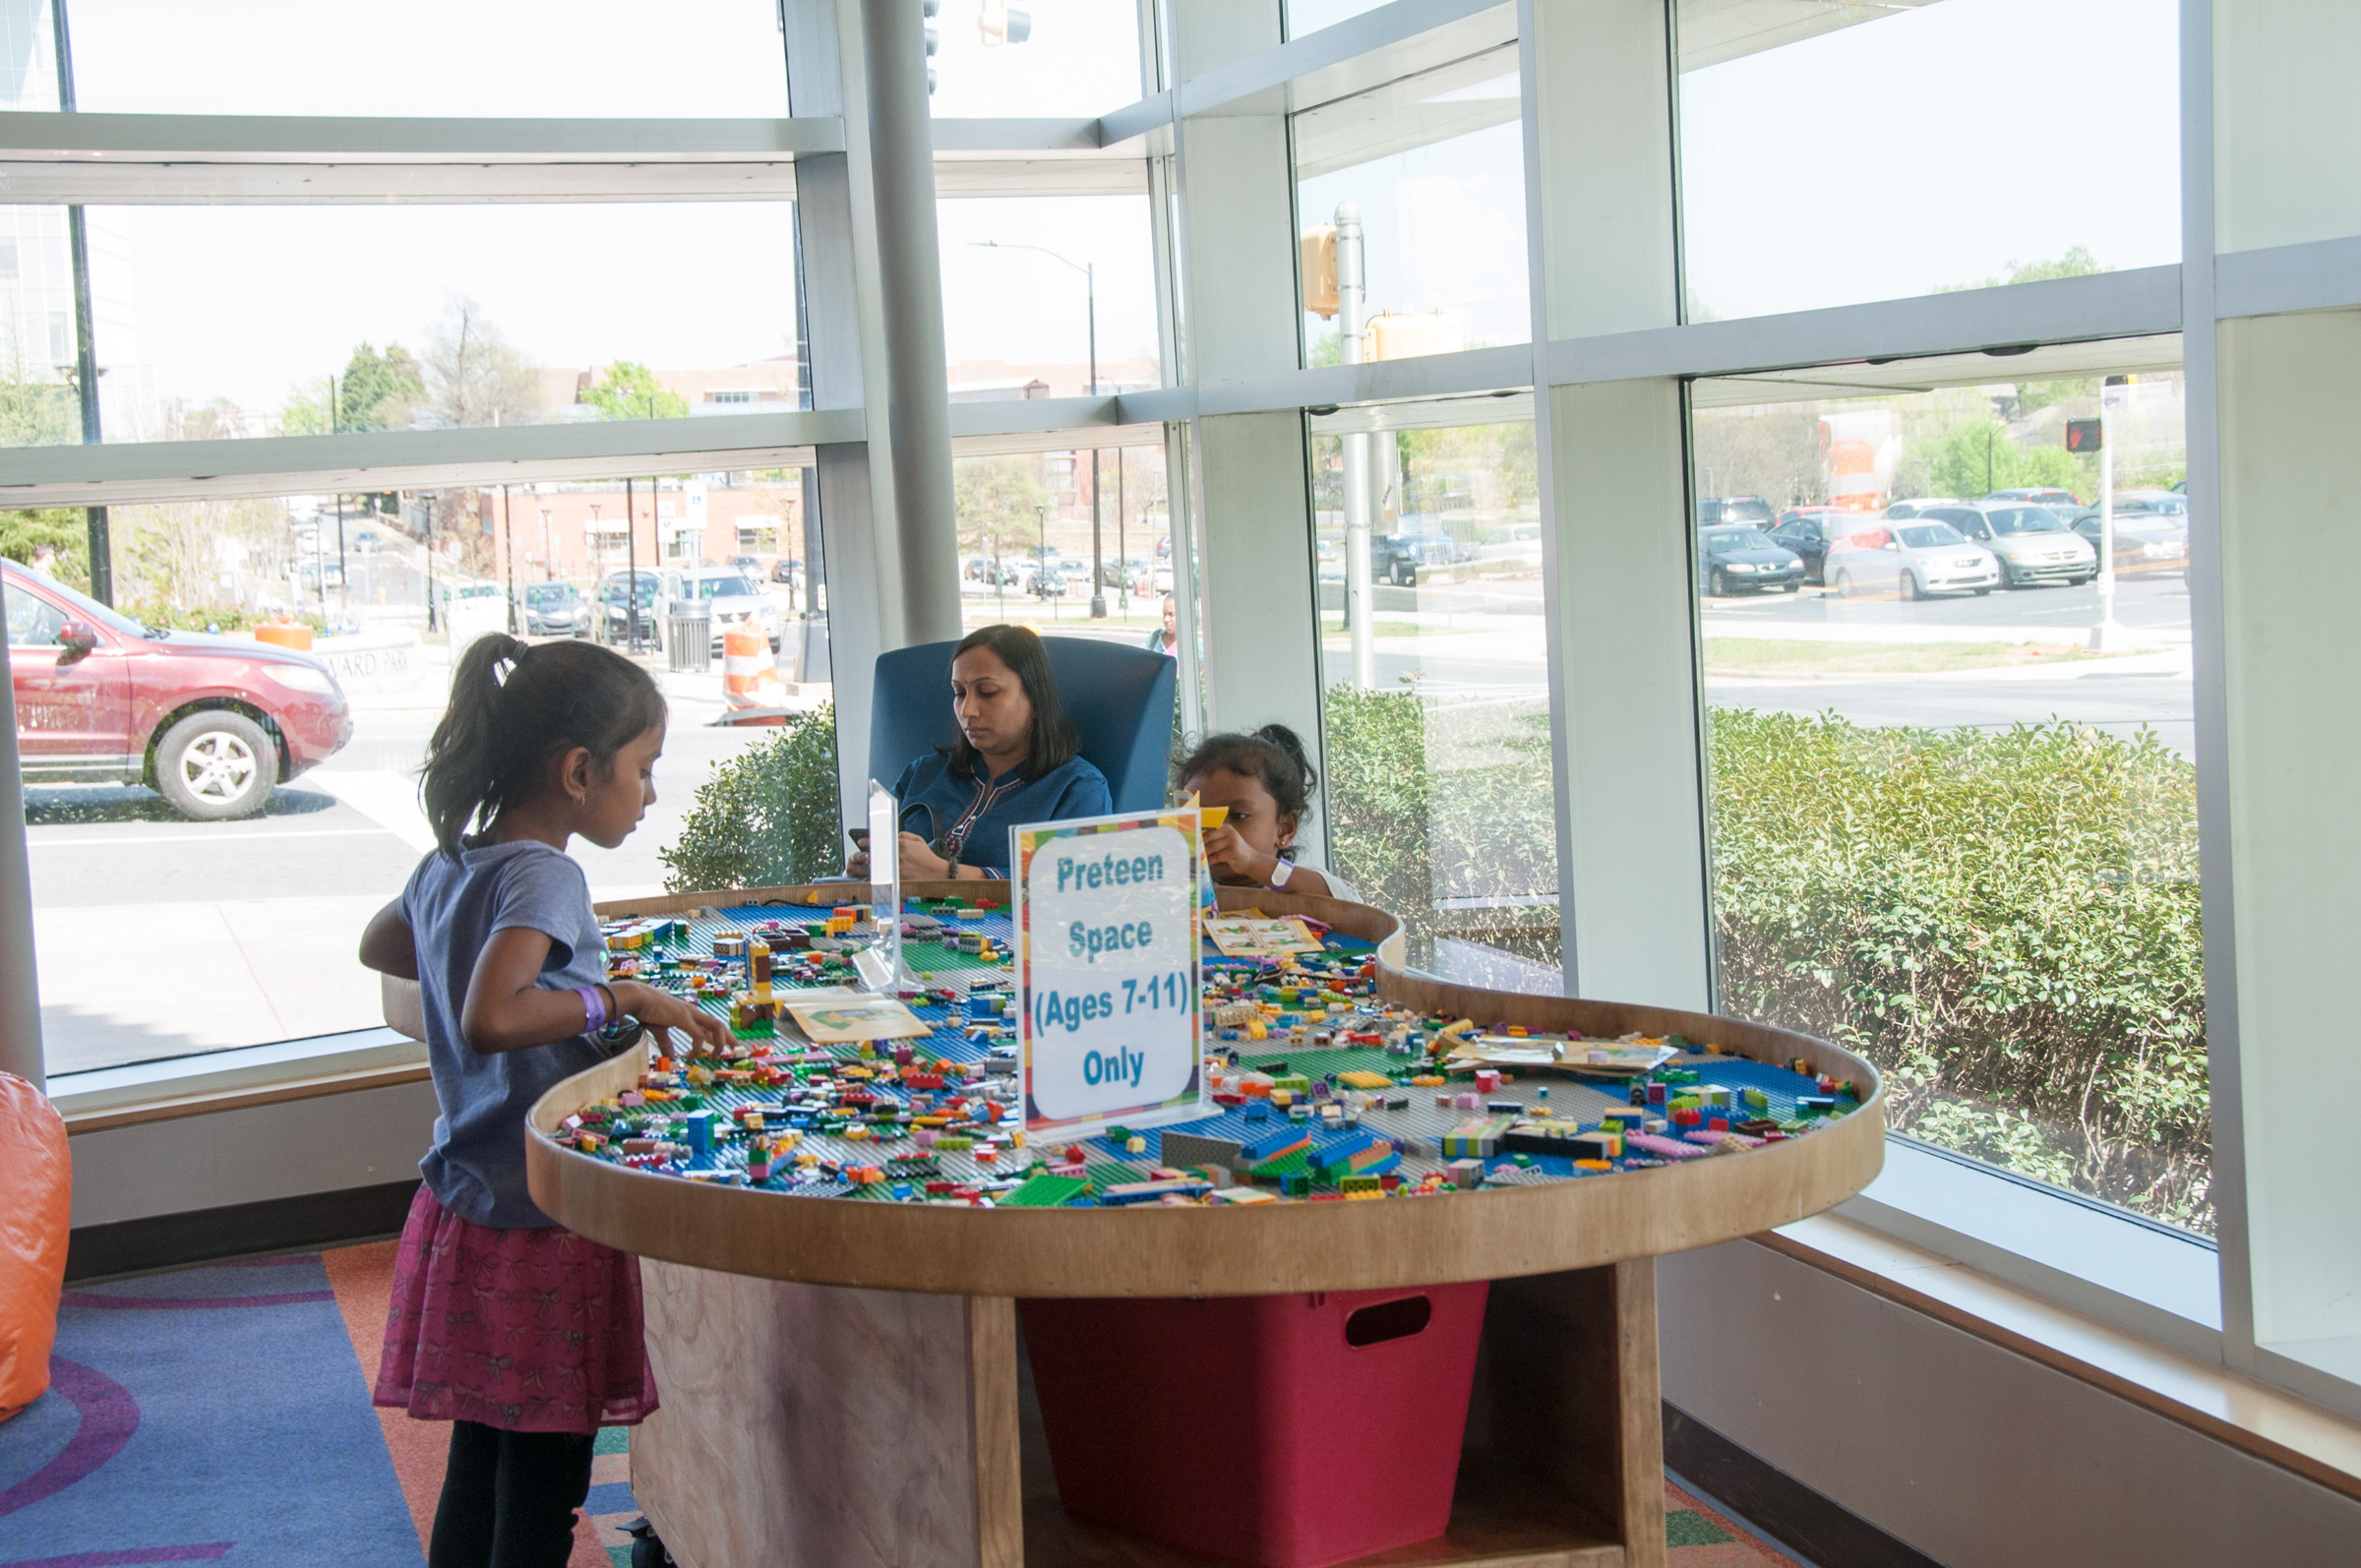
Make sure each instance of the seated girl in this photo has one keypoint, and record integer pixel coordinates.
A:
(1017, 760)
(1264, 781)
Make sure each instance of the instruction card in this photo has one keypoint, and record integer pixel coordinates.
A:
(1106, 915)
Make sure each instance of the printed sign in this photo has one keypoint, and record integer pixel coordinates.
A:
(1106, 914)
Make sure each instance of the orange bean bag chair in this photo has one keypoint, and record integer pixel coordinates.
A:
(36, 1193)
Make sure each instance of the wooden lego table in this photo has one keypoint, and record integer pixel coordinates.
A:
(843, 1383)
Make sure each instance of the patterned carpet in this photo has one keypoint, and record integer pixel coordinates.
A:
(221, 1415)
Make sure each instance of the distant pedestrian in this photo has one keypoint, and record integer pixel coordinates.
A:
(45, 559)
(1167, 637)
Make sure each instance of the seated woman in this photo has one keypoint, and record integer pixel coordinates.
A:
(1017, 760)
(1264, 782)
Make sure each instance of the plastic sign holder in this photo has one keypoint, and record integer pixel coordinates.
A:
(881, 967)
(1107, 926)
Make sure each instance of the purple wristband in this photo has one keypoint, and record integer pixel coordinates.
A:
(594, 1008)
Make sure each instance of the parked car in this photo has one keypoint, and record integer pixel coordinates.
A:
(2144, 541)
(2056, 500)
(1810, 531)
(210, 723)
(2033, 543)
(1733, 558)
(751, 566)
(1911, 559)
(612, 619)
(555, 610)
(784, 569)
(731, 599)
(1398, 557)
(1916, 506)
(1716, 511)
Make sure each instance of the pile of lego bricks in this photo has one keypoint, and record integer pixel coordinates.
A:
(1322, 1091)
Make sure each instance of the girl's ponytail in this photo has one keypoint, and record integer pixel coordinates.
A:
(513, 706)
(1290, 746)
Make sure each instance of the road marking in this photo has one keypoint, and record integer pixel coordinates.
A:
(207, 838)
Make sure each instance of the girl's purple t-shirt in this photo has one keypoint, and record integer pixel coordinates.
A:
(477, 1166)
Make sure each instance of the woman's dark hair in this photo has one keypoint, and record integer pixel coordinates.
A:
(512, 707)
(1050, 742)
(1273, 755)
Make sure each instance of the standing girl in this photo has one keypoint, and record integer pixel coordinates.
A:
(1264, 782)
(522, 1334)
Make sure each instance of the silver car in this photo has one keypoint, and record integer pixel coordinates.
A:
(2033, 543)
(1911, 558)
(731, 597)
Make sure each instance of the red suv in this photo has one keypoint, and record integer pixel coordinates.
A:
(211, 723)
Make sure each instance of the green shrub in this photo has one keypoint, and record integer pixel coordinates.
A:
(1430, 802)
(2005, 921)
(767, 817)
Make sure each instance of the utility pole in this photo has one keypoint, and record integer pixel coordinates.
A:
(630, 569)
(425, 509)
(1090, 301)
(1352, 300)
(86, 347)
(508, 556)
(1123, 551)
(343, 559)
(2108, 635)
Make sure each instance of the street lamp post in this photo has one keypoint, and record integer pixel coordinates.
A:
(1040, 560)
(1090, 296)
(2108, 635)
(549, 561)
(1351, 299)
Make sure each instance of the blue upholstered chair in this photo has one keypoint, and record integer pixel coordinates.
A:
(1119, 696)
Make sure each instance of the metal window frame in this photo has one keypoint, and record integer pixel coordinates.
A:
(111, 159)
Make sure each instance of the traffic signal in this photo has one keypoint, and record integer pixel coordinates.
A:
(2083, 435)
(1002, 23)
(1319, 271)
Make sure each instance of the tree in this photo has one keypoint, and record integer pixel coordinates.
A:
(474, 376)
(1771, 450)
(1975, 457)
(37, 408)
(630, 390)
(995, 496)
(2078, 261)
(379, 391)
(60, 528)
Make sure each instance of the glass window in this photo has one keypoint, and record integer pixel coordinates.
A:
(1309, 15)
(1418, 188)
(1832, 153)
(1435, 700)
(1953, 781)
(1026, 58)
(586, 58)
(1032, 522)
(236, 321)
(269, 830)
(1024, 279)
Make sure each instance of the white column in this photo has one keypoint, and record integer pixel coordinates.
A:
(1627, 697)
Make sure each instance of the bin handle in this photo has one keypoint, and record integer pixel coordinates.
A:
(1397, 1319)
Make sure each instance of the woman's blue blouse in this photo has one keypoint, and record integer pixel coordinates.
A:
(971, 819)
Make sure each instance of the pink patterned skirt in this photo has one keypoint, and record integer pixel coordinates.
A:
(529, 1331)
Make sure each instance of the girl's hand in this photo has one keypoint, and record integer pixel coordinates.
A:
(920, 862)
(663, 1011)
(387, 944)
(1235, 860)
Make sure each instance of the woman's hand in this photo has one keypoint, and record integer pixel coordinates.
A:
(661, 1011)
(920, 862)
(1235, 860)
(856, 866)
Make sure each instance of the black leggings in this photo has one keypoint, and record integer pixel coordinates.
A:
(508, 1499)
